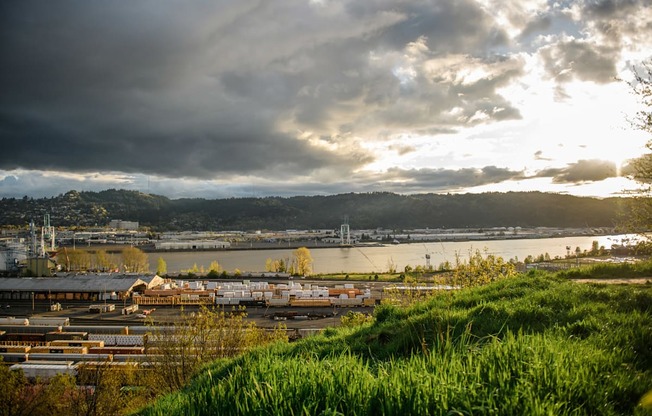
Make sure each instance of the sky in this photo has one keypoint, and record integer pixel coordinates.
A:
(221, 99)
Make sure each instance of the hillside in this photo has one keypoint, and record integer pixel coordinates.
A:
(365, 211)
(532, 345)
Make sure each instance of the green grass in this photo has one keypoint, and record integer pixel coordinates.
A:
(641, 269)
(536, 345)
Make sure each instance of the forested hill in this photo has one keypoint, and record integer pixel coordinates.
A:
(365, 211)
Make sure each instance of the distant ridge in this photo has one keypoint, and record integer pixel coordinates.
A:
(365, 211)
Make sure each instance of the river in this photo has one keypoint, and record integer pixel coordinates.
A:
(377, 259)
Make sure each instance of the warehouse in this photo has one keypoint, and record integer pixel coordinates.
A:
(92, 287)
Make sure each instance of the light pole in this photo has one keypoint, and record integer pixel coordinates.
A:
(32, 301)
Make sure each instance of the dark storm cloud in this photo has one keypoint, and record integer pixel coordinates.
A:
(205, 89)
(581, 171)
(286, 92)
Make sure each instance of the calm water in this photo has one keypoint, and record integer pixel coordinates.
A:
(377, 259)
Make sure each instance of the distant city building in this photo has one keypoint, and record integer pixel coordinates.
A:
(123, 225)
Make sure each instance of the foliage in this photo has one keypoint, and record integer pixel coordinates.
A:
(533, 344)
(275, 265)
(199, 338)
(609, 271)
(639, 215)
(134, 260)
(75, 260)
(353, 319)
(96, 391)
(302, 261)
(480, 269)
(161, 267)
(104, 261)
(366, 210)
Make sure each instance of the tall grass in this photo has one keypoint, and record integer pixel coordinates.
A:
(609, 271)
(532, 345)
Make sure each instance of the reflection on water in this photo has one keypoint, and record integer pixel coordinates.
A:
(378, 259)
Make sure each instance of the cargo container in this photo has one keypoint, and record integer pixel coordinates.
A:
(61, 349)
(119, 339)
(15, 348)
(117, 350)
(347, 302)
(48, 321)
(13, 357)
(28, 329)
(102, 308)
(129, 309)
(44, 371)
(310, 302)
(69, 357)
(10, 320)
(27, 338)
(77, 343)
(278, 302)
(55, 335)
(99, 329)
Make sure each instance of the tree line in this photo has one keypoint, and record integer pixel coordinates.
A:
(365, 210)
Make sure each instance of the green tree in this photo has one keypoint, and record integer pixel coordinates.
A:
(275, 265)
(161, 267)
(103, 261)
(481, 269)
(135, 260)
(303, 261)
(639, 212)
(199, 338)
(75, 260)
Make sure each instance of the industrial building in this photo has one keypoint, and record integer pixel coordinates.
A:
(123, 225)
(80, 287)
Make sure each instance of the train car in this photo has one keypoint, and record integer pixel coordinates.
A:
(57, 336)
(19, 329)
(24, 338)
(13, 357)
(139, 358)
(49, 321)
(60, 349)
(15, 348)
(144, 329)
(69, 357)
(315, 302)
(120, 339)
(45, 371)
(77, 343)
(117, 350)
(13, 321)
(99, 329)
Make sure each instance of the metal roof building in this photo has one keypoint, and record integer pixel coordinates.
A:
(79, 287)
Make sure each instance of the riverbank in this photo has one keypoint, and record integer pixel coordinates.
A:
(398, 239)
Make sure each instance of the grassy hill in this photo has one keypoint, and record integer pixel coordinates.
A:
(534, 345)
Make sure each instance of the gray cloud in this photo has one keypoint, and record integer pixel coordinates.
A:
(422, 180)
(199, 90)
(580, 59)
(581, 171)
(538, 155)
(282, 91)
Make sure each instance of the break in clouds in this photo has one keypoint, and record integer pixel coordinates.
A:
(280, 97)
